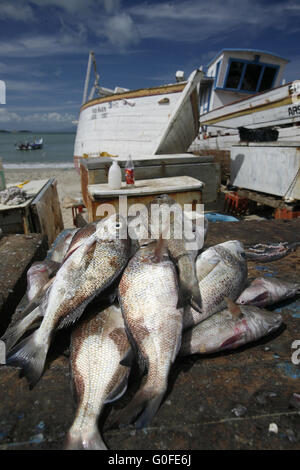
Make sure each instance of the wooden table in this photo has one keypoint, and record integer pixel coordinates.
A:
(40, 213)
(184, 189)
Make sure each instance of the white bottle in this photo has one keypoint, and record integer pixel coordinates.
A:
(115, 176)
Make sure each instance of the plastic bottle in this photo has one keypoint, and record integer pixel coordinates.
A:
(129, 172)
(114, 176)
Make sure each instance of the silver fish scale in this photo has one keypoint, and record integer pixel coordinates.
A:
(227, 279)
(210, 335)
(97, 347)
(149, 294)
(79, 279)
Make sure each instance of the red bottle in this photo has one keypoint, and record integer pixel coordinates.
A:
(129, 172)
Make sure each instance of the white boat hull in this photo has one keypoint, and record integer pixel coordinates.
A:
(274, 108)
(151, 121)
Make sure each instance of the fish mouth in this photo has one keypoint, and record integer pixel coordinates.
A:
(272, 320)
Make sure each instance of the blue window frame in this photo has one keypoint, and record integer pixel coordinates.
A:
(217, 73)
(247, 76)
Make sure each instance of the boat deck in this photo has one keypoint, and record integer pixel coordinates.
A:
(198, 409)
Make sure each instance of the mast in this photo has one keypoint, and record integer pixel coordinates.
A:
(87, 78)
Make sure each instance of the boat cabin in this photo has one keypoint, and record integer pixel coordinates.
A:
(238, 73)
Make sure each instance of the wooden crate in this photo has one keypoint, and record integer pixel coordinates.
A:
(39, 214)
(203, 168)
(184, 189)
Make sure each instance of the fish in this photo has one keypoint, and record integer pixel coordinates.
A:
(263, 292)
(79, 237)
(38, 280)
(266, 252)
(61, 245)
(170, 226)
(148, 296)
(232, 327)
(221, 272)
(88, 272)
(38, 276)
(97, 346)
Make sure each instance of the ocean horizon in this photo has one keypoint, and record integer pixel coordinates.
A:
(57, 151)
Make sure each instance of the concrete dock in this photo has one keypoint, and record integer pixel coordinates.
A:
(219, 401)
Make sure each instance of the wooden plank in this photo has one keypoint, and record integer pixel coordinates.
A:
(95, 212)
(147, 187)
(47, 208)
(145, 160)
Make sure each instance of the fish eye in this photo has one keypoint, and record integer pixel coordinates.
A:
(118, 225)
(243, 254)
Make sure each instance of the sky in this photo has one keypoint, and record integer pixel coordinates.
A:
(44, 47)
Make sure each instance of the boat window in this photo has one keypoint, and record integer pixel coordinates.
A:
(251, 77)
(234, 75)
(267, 79)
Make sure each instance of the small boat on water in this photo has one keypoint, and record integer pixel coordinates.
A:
(35, 145)
(147, 121)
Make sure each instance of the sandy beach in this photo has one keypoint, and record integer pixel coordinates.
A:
(68, 184)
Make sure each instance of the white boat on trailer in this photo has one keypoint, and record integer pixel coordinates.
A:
(245, 88)
(147, 121)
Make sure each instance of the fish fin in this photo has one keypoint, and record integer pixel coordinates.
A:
(119, 391)
(230, 343)
(188, 285)
(82, 441)
(128, 358)
(13, 334)
(233, 308)
(128, 414)
(143, 404)
(159, 248)
(149, 412)
(204, 268)
(189, 296)
(30, 357)
(112, 297)
(74, 314)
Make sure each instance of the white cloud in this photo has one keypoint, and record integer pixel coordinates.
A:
(7, 116)
(50, 117)
(191, 21)
(20, 12)
(121, 30)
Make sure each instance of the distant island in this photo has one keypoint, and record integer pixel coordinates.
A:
(15, 132)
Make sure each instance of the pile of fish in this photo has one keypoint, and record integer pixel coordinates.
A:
(140, 301)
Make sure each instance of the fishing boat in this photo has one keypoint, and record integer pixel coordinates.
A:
(35, 145)
(146, 121)
(246, 88)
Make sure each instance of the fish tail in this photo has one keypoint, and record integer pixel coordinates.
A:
(30, 356)
(149, 411)
(84, 441)
(16, 332)
(189, 291)
(129, 413)
(145, 404)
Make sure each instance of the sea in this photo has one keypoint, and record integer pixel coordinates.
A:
(57, 151)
